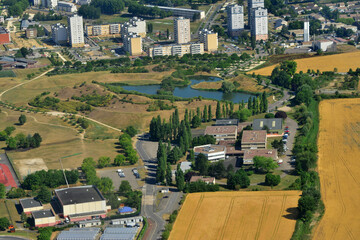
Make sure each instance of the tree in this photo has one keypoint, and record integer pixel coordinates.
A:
(202, 164)
(103, 162)
(131, 130)
(119, 160)
(209, 114)
(304, 95)
(289, 67)
(180, 181)
(2, 191)
(105, 185)
(168, 174)
(264, 163)
(227, 87)
(218, 110)
(196, 121)
(89, 12)
(44, 195)
(272, 180)
(22, 119)
(125, 187)
(281, 114)
(4, 223)
(238, 180)
(205, 112)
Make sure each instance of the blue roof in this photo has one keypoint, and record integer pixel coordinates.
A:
(125, 209)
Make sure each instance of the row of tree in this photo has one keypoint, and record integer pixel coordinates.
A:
(258, 104)
(50, 178)
(104, 184)
(22, 141)
(129, 151)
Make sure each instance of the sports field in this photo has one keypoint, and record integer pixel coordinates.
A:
(237, 215)
(339, 169)
(343, 62)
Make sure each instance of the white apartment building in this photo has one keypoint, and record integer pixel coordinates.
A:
(306, 31)
(76, 31)
(182, 32)
(177, 49)
(37, 2)
(66, 7)
(52, 4)
(212, 152)
(259, 23)
(254, 4)
(235, 19)
(135, 25)
(59, 33)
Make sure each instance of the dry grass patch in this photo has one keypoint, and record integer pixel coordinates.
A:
(343, 62)
(339, 169)
(237, 215)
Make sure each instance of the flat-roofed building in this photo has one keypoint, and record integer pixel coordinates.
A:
(182, 32)
(235, 19)
(44, 218)
(80, 203)
(30, 204)
(226, 122)
(249, 155)
(182, 12)
(31, 33)
(102, 30)
(176, 50)
(212, 152)
(273, 124)
(210, 40)
(59, 33)
(89, 223)
(127, 221)
(207, 180)
(135, 25)
(222, 132)
(259, 23)
(79, 234)
(133, 44)
(253, 139)
(76, 31)
(66, 6)
(324, 45)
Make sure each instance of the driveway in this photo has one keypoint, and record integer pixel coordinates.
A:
(288, 166)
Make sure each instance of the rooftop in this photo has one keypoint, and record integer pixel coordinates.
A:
(43, 213)
(210, 148)
(251, 136)
(214, 130)
(251, 153)
(271, 123)
(203, 179)
(185, 166)
(30, 203)
(79, 233)
(226, 122)
(80, 194)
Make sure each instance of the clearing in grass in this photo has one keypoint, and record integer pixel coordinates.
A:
(339, 169)
(237, 215)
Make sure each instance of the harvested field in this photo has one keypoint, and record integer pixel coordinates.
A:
(237, 215)
(339, 169)
(343, 62)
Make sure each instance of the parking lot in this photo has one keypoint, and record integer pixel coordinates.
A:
(114, 176)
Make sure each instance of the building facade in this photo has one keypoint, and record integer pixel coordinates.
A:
(59, 34)
(133, 44)
(259, 23)
(52, 4)
(135, 25)
(102, 30)
(210, 40)
(222, 132)
(306, 31)
(179, 50)
(212, 152)
(182, 12)
(254, 4)
(235, 19)
(31, 33)
(66, 7)
(44, 218)
(76, 31)
(182, 33)
(30, 205)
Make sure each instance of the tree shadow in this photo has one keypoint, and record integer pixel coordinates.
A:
(18, 208)
(292, 213)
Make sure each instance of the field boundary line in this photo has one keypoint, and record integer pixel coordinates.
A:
(194, 216)
(222, 232)
(279, 217)
(261, 217)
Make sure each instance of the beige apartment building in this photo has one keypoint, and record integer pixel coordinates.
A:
(133, 44)
(179, 50)
(182, 33)
(210, 40)
(103, 30)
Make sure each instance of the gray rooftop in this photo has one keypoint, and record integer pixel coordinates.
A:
(30, 203)
(79, 234)
(43, 213)
(271, 123)
(80, 194)
(123, 236)
(120, 230)
(225, 122)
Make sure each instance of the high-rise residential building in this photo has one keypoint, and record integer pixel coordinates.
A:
(259, 23)
(135, 25)
(76, 31)
(210, 40)
(37, 2)
(235, 19)
(254, 4)
(182, 32)
(306, 31)
(133, 44)
(59, 33)
(49, 3)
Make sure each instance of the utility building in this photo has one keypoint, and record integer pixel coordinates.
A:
(235, 19)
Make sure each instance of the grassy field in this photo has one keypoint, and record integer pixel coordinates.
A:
(7, 73)
(260, 178)
(339, 169)
(59, 140)
(343, 62)
(237, 215)
(8, 210)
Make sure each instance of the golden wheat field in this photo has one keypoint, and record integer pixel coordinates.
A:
(343, 62)
(339, 169)
(237, 215)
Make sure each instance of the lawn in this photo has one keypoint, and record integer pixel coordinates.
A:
(7, 73)
(8, 210)
(260, 178)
